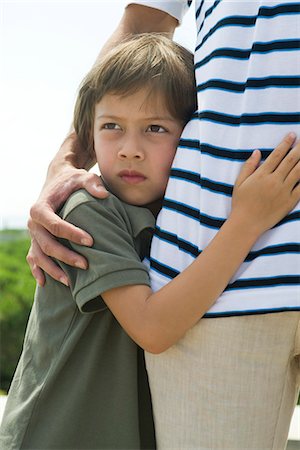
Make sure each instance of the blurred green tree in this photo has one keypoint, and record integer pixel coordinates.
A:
(17, 290)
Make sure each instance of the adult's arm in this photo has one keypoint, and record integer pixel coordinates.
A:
(68, 171)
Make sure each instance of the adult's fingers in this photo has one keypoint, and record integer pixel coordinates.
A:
(36, 271)
(49, 246)
(46, 218)
(44, 262)
(94, 185)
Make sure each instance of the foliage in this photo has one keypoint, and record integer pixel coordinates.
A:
(17, 289)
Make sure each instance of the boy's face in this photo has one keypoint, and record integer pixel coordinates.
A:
(135, 138)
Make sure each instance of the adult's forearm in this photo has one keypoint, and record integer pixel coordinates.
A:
(140, 19)
(71, 153)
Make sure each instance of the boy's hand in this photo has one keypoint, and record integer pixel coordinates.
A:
(264, 195)
(45, 225)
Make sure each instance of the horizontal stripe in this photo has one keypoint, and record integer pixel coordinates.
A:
(186, 175)
(274, 250)
(250, 21)
(234, 155)
(294, 216)
(257, 48)
(204, 183)
(163, 269)
(193, 213)
(284, 8)
(210, 221)
(250, 119)
(250, 283)
(194, 116)
(194, 251)
(285, 280)
(180, 243)
(250, 83)
(189, 143)
(241, 21)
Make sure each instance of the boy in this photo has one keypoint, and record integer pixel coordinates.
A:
(80, 382)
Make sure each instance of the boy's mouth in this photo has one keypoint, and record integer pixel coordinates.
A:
(131, 176)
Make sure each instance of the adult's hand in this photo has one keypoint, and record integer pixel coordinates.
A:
(45, 225)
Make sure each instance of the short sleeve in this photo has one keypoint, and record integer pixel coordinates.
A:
(176, 8)
(113, 258)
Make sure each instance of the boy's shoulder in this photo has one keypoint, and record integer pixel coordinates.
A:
(82, 197)
(76, 199)
(113, 204)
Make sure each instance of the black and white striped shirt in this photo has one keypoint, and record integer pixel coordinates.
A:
(247, 63)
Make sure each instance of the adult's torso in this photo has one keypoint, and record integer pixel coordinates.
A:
(247, 64)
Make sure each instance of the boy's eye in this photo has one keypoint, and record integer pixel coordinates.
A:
(111, 126)
(156, 129)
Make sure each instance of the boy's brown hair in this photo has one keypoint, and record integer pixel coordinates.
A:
(147, 60)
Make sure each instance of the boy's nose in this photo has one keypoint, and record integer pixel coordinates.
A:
(131, 149)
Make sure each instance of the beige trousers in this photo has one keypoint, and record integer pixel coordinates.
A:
(230, 383)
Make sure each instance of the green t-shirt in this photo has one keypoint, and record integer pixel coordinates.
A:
(81, 381)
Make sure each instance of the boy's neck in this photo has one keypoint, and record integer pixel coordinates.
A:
(154, 207)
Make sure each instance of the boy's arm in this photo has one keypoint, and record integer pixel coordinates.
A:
(68, 170)
(261, 198)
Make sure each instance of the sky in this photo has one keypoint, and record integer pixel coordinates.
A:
(46, 48)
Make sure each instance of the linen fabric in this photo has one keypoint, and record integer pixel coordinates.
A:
(231, 383)
(81, 381)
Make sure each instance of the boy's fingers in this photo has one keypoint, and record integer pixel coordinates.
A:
(288, 164)
(277, 155)
(296, 194)
(293, 177)
(248, 167)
